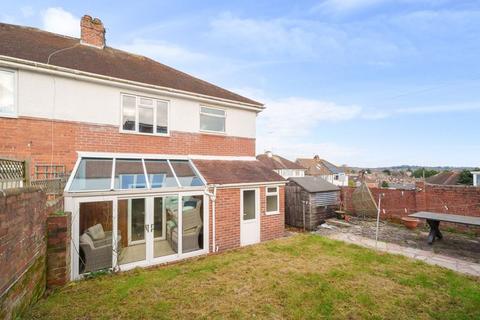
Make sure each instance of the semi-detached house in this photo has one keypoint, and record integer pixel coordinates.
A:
(162, 164)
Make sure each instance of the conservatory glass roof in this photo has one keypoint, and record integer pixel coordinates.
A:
(94, 173)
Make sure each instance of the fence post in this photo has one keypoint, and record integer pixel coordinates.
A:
(26, 173)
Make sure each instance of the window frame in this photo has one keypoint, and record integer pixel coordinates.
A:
(224, 117)
(14, 114)
(138, 105)
(271, 194)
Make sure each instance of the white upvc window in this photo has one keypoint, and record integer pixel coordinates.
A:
(8, 93)
(212, 119)
(273, 200)
(144, 115)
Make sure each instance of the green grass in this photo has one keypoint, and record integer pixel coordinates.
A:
(302, 277)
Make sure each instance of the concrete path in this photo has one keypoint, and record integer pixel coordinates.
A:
(458, 265)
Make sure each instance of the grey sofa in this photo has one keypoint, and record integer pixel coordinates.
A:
(97, 249)
(192, 227)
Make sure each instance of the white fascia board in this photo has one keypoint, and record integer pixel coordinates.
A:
(250, 184)
(89, 154)
(223, 158)
(132, 192)
(93, 77)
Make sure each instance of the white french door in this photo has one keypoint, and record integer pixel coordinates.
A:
(249, 216)
(121, 233)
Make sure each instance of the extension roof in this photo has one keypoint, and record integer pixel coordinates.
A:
(37, 45)
(235, 171)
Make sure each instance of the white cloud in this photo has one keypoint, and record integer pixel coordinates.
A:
(296, 117)
(461, 107)
(343, 6)
(268, 37)
(59, 21)
(288, 126)
(163, 51)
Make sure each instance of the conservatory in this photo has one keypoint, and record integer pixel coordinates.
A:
(135, 210)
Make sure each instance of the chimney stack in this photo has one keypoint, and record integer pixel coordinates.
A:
(92, 32)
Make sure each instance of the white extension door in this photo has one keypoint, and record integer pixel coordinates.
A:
(249, 216)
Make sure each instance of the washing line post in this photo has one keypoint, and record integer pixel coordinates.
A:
(378, 219)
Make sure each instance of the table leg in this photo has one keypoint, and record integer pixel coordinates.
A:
(434, 231)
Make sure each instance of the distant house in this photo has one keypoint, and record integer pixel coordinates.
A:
(322, 168)
(445, 178)
(282, 166)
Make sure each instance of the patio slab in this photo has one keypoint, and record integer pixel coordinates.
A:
(459, 252)
(429, 257)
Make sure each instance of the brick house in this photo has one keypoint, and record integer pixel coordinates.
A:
(162, 164)
(280, 165)
(322, 168)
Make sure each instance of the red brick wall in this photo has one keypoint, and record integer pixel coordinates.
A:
(227, 214)
(45, 141)
(272, 226)
(462, 200)
(22, 249)
(58, 249)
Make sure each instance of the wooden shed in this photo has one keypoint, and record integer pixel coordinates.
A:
(309, 201)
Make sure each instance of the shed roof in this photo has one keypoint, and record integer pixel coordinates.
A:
(45, 47)
(314, 184)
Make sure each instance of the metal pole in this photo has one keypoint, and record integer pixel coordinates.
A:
(303, 207)
(378, 219)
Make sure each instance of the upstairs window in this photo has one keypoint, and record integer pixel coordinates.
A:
(7, 93)
(144, 115)
(212, 119)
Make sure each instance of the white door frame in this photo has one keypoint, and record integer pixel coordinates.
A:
(73, 204)
(257, 215)
(75, 232)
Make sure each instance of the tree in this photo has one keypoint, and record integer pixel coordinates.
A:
(420, 171)
(384, 184)
(387, 172)
(466, 177)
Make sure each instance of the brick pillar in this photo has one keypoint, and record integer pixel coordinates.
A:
(58, 249)
(421, 196)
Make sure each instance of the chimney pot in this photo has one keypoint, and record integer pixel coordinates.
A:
(92, 32)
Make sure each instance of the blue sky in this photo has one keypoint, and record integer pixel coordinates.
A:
(361, 82)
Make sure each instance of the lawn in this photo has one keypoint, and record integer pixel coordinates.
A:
(301, 277)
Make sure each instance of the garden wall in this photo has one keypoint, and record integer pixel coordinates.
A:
(22, 249)
(396, 203)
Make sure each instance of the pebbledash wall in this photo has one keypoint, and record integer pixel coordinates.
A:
(227, 216)
(396, 203)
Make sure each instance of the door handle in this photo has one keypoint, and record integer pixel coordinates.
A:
(149, 227)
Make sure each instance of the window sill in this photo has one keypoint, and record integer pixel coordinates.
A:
(272, 213)
(8, 115)
(215, 133)
(146, 134)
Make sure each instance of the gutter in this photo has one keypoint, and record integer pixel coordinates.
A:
(129, 84)
(213, 198)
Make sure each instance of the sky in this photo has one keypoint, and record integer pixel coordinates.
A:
(360, 82)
